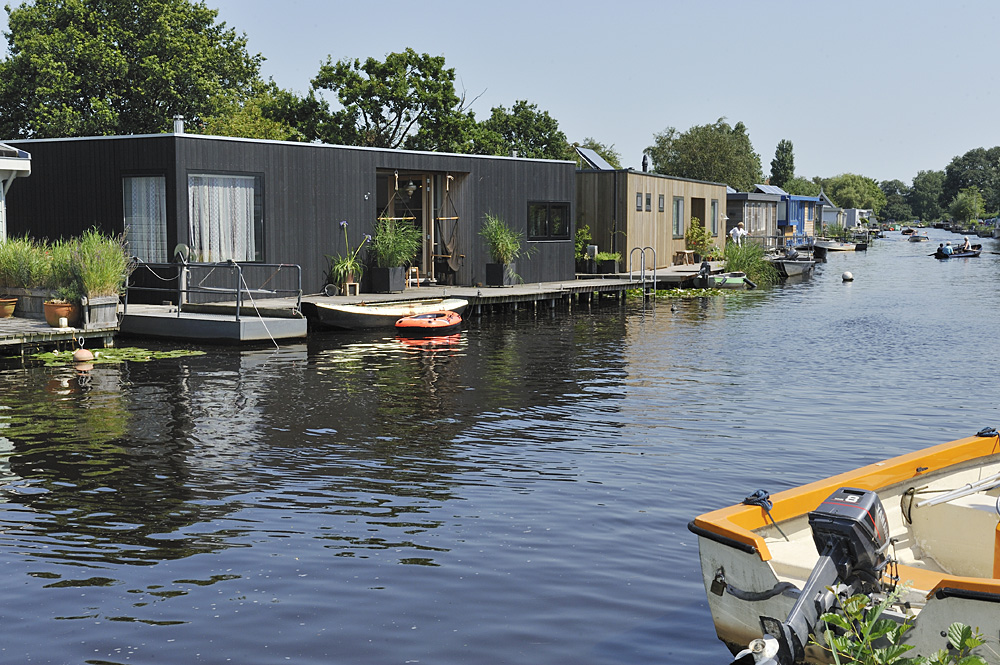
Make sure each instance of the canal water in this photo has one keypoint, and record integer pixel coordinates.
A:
(518, 495)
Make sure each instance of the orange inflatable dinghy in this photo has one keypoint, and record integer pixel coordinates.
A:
(431, 323)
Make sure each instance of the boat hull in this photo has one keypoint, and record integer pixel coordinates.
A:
(373, 316)
(730, 280)
(431, 324)
(794, 268)
(947, 554)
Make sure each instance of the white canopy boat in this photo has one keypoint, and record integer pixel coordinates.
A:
(364, 316)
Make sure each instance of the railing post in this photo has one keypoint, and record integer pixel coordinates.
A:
(239, 288)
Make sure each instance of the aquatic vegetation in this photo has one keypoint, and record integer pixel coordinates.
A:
(749, 258)
(114, 355)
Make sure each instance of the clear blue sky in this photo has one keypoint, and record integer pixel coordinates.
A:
(881, 88)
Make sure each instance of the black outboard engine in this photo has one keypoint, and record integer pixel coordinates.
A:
(703, 272)
(851, 533)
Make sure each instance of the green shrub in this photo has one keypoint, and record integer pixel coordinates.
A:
(697, 238)
(395, 242)
(502, 242)
(581, 242)
(749, 258)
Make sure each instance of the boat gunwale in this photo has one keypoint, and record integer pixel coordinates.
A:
(737, 522)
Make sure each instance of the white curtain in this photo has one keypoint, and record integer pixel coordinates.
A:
(146, 217)
(220, 217)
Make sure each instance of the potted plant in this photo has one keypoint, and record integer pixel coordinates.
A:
(394, 244)
(346, 268)
(63, 285)
(582, 241)
(607, 262)
(23, 265)
(698, 239)
(504, 246)
(101, 266)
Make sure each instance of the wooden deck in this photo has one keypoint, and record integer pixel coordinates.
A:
(21, 336)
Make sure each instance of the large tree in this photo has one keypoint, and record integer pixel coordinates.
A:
(978, 168)
(715, 152)
(524, 130)
(783, 164)
(408, 100)
(849, 190)
(97, 67)
(800, 186)
(926, 194)
(608, 152)
(967, 205)
(896, 207)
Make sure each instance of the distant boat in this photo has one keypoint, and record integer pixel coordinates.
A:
(366, 316)
(837, 246)
(907, 231)
(918, 237)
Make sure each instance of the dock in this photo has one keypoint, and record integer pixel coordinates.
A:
(20, 336)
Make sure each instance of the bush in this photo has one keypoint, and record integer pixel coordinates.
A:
(749, 258)
(581, 242)
(502, 242)
(697, 237)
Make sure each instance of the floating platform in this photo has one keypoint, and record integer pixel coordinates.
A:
(210, 323)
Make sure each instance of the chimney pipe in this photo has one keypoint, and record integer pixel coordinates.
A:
(178, 124)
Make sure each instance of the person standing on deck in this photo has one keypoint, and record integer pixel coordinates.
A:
(738, 233)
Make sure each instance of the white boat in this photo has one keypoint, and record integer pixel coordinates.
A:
(838, 246)
(365, 316)
(926, 521)
(794, 267)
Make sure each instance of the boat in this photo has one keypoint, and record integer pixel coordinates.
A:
(794, 267)
(838, 246)
(919, 529)
(958, 254)
(437, 324)
(365, 316)
(730, 280)
(907, 231)
(918, 237)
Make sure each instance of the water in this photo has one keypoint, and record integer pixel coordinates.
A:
(519, 496)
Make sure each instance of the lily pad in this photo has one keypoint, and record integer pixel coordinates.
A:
(114, 355)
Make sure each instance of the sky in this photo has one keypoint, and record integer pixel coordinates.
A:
(882, 88)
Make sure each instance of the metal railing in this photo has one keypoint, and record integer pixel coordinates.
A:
(646, 291)
(228, 281)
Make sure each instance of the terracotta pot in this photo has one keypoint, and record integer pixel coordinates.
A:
(57, 310)
(7, 306)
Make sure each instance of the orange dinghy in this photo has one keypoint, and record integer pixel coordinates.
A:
(431, 323)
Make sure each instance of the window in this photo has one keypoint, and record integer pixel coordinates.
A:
(649, 202)
(548, 221)
(715, 217)
(662, 203)
(678, 217)
(225, 217)
(638, 201)
(145, 199)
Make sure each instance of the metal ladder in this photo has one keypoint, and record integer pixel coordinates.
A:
(648, 286)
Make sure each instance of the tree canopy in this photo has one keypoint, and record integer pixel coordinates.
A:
(524, 129)
(967, 205)
(715, 153)
(896, 206)
(93, 67)
(783, 164)
(978, 168)
(800, 186)
(849, 190)
(925, 195)
(409, 97)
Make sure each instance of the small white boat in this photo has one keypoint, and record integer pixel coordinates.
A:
(366, 316)
(838, 246)
(794, 267)
(730, 280)
(920, 529)
(919, 237)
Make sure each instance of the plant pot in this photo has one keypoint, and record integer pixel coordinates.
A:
(58, 310)
(500, 274)
(7, 306)
(607, 267)
(388, 280)
(100, 312)
(29, 302)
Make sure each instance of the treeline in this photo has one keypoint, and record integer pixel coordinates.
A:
(93, 67)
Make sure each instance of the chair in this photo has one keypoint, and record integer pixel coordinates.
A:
(413, 276)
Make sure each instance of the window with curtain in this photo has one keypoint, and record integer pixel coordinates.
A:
(145, 199)
(225, 217)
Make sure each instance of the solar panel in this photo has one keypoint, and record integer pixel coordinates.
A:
(593, 160)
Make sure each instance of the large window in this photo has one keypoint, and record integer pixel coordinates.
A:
(145, 199)
(715, 217)
(225, 217)
(678, 221)
(548, 221)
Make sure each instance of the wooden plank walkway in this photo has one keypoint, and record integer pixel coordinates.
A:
(21, 336)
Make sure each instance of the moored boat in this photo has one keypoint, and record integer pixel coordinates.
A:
(919, 529)
(730, 280)
(430, 323)
(838, 246)
(363, 316)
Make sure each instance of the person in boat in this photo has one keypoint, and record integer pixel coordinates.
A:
(939, 252)
(966, 247)
(948, 250)
(738, 233)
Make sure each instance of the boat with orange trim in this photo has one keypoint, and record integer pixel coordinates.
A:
(429, 323)
(922, 529)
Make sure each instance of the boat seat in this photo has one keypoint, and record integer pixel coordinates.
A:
(959, 535)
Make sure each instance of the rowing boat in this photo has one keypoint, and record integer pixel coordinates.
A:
(372, 315)
(921, 528)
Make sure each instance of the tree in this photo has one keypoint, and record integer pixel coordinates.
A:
(968, 205)
(801, 187)
(977, 168)
(608, 152)
(93, 67)
(783, 164)
(925, 195)
(409, 97)
(257, 116)
(896, 207)
(524, 130)
(716, 153)
(850, 190)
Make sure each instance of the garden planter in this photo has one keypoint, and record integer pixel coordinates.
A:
(500, 274)
(58, 310)
(388, 280)
(607, 267)
(7, 306)
(29, 302)
(100, 312)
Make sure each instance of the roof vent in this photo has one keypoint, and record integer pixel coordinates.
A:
(178, 124)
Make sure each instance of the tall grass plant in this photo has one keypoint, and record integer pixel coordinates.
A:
(23, 263)
(749, 258)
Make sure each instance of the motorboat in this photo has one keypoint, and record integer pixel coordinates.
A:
(436, 324)
(918, 237)
(792, 264)
(917, 531)
(839, 246)
(371, 315)
(730, 280)
(907, 231)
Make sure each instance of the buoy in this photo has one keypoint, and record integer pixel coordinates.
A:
(848, 277)
(82, 355)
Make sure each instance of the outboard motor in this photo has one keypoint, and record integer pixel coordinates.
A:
(703, 273)
(851, 534)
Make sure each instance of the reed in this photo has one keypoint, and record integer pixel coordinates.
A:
(749, 258)
(23, 263)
